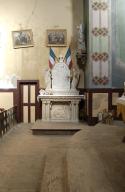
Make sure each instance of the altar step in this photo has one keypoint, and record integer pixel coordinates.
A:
(55, 128)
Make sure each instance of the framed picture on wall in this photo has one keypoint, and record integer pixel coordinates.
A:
(22, 38)
(56, 37)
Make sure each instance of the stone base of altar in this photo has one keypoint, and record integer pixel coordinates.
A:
(60, 108)
(55, 128)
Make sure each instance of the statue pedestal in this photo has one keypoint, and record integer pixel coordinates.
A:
(60, 108)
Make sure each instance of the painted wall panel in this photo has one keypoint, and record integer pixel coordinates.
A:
(6, 100)
(25, 114)
(40, 15)
(99, 44)
(95, 21)
(32, 94)
(100, 102)
(25, 93)
(32, 117)
(104, 19)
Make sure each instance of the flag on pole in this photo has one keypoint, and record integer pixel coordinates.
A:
(52, 58)
(68, 58)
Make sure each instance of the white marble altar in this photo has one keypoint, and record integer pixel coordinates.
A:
(60, 99)
(60, 107)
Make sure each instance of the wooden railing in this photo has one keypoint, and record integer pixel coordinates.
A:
(7, 120)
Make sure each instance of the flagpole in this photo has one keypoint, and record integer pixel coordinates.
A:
(65, 55)
(51, 78)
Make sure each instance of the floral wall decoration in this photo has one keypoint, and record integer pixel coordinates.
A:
(100, 31)
(100, 56)
(100, 80)
(100, 42)
(99, 5)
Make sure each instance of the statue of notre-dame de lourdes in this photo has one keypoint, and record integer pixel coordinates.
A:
(60, 99)
(61, 80)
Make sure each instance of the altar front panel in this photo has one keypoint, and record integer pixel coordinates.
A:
(60, 108)
(60, 111)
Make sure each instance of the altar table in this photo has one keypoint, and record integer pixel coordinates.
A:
(59, 108)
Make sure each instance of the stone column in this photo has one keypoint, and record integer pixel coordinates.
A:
(74, 111)
(43, 110)
(47, 110)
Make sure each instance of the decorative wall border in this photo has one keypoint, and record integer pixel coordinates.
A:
(100, 47)
(100, 31)
(100, 56)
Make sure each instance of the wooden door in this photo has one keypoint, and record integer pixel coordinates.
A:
(28, 105)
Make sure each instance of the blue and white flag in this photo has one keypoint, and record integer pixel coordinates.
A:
(52, 58)
(68, 58)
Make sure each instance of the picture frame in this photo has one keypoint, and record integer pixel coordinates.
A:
(56, 37)
(22, 38)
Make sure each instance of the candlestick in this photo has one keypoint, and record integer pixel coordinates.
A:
(124, 88)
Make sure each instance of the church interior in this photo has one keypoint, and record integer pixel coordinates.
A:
(62, 96)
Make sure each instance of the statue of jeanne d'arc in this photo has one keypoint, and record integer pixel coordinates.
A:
(48, 77)
(75, 77)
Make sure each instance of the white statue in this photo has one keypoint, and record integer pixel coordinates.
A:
(75, 77)
(48, 77)
(81, 39)
(60, 77)
(61, 59)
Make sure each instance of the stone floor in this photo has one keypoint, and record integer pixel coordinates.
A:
(92, 160)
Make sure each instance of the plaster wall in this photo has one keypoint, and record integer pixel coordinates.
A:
(38, 15)
(118, 42)
(6, 100)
